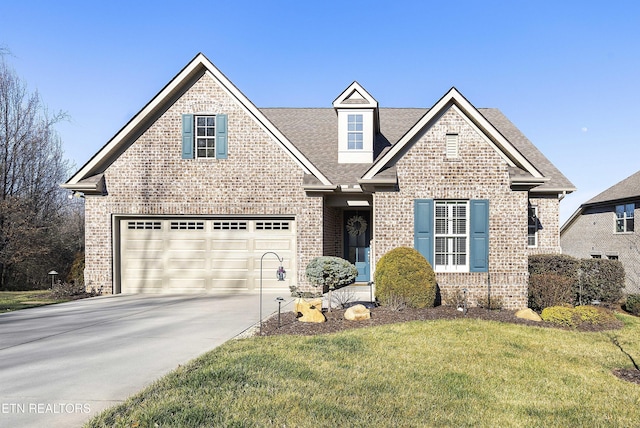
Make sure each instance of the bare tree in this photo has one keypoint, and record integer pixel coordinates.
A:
(31, 168)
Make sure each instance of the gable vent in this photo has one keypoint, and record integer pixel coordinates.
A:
(452, 145)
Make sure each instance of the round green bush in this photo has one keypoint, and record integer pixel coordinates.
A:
(632, 304)
(403, 274)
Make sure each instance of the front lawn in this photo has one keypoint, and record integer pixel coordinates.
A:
(16, 300)
(463, 372)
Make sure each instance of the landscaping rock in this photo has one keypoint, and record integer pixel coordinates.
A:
(357, 313)
(310, 310)
(528, 314)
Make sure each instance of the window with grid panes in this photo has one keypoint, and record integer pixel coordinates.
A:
(451, 236)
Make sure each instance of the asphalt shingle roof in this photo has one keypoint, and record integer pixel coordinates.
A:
(315, 132)
(628, 188)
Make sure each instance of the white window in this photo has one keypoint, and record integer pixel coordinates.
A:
(452, 145)
(451, 236)
(355, 132)
(205, 136)
(532, 226)
(624, 218)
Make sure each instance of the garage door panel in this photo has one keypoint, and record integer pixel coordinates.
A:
(198, 255)
(142, 244)
(186, 264)
(230, 244)
(272, 244)
(186, 244)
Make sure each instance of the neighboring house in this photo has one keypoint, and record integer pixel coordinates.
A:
(194, 191)
(604, 227)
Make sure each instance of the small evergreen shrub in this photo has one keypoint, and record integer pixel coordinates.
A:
(579, 316)
(549, 289)
(594, 315)
(403, 274)
(562, 315)
(330, 272)
(632, 304)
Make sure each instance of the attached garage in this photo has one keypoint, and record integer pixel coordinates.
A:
(200, 255)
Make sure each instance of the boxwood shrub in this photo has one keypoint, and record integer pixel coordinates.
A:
(632, 304)
(403, 273)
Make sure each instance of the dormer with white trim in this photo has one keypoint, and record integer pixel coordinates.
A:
(357, 124)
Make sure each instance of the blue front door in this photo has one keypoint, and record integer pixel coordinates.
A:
(357, 235)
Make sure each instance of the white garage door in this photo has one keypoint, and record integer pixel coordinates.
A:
(202, 255)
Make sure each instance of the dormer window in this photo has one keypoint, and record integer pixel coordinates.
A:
(358, 124)
(355, 132)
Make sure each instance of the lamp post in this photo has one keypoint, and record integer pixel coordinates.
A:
(53, 274)
(280, 274)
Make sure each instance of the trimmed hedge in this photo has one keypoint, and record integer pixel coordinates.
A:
(587, 279)
(403, 273)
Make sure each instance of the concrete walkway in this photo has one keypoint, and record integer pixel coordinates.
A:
(62, 364)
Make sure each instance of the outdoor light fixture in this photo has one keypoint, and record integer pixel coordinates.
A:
(279, 300)
(280, 274)
(53, 274)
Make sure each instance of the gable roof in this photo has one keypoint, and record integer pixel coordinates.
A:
(454, 99)
(198, 66)
(623, 191)
(629, 188)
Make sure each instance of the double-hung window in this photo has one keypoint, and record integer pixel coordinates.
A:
(451, 236)
(624, 218)
(355, 132)
(532, 226)
(204, 136)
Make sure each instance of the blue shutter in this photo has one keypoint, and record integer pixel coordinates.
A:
(221, 136)
(423, 228)
(187, 136)
(479, 236)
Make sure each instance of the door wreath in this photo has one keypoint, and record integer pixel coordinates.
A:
(356, 225)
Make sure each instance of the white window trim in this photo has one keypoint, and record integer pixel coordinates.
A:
(195, 136)
(358, 119)
(535, 234)
(624, 218)
(450, 236)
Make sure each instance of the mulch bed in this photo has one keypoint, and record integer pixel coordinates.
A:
(289, 324)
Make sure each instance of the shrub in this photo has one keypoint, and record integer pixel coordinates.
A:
(575, 317)
(600, 279)
(549, 289)
(594, 315)
(632, 305)
(330, 273)
(494, 304)
(558, 264)
(562, 315)
(404, 274)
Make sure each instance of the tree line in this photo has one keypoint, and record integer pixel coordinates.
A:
(41, 229)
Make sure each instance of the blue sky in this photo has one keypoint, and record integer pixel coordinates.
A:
(567, 73)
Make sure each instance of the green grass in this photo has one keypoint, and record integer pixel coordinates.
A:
(16, 300)
(463, 372)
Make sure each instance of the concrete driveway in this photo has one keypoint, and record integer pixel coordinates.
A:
(62, 364)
